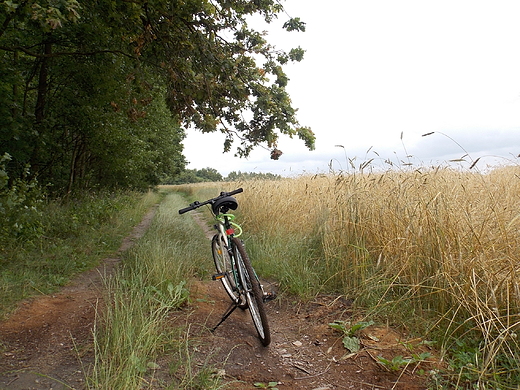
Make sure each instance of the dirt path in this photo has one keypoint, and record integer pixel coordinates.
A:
(47, 343)
(305, 352)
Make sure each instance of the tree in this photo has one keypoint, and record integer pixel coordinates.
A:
(95, 94)
(193, 176)
(242, 176)
(210, 56)
(78, 109)
(209, 174)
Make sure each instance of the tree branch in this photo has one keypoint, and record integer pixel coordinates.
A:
(63, 53)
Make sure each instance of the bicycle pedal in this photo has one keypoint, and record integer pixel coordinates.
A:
(269, 296)
(218, 276)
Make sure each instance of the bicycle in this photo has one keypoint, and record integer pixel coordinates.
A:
(232, 263)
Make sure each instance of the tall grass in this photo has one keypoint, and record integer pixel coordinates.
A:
(435, 249)
(73, 236)
(132, 332)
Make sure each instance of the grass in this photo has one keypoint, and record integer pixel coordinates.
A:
(74, 236)
(132, 332)
(433, 250)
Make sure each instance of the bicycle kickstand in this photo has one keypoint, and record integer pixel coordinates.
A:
(228, 312)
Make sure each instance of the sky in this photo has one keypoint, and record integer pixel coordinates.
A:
(377, 75)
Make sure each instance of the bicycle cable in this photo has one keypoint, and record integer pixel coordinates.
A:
(231, 217)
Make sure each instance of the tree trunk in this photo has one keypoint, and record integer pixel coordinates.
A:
(41, 102)
(43, 84)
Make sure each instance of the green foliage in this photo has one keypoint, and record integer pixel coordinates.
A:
(194, 176)
(184, 177)
(93, 95)
(350, 340)
(241, 176)
(269, 385)
(52, 14)
(223, 80)
(73, 236)
(294, 24)
(463, 371)
(398, 362)
(20, 199)
(350, 330)
(211, 175)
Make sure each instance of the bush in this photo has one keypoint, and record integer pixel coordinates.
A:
(19, 200)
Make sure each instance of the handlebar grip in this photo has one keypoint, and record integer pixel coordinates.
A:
(237, 191)
(185, 210)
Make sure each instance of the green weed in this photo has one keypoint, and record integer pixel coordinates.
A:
(350, 340)
(398, 362)
(269, 385)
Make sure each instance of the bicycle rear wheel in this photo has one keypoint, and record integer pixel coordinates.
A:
(224, 269)
(253, 292)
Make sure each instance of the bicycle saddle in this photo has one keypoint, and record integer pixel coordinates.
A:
(222, 205)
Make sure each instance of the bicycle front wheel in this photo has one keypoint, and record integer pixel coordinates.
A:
(224, 269)
(253, 291)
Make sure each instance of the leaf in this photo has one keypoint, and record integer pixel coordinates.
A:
(294, 24)
(338, 325)
(359, 326)
(351, 343)
(395, 364)
(296, 54)
(422, 356)
(11, 7)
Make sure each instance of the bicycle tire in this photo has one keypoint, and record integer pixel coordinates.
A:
(253, 292)
(224, 268)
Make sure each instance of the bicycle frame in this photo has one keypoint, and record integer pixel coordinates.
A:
(226, 228)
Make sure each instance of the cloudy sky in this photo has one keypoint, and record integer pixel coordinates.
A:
(379, 74)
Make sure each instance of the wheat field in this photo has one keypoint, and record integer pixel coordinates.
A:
(436, 249)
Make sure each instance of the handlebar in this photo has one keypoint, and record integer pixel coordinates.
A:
(198, 204)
